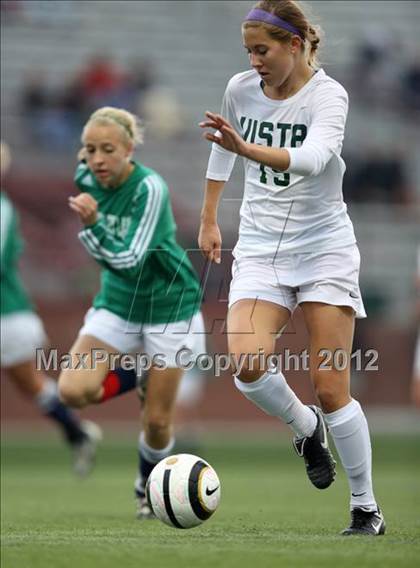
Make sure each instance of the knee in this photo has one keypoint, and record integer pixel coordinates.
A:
(331, 393)
(71, 394)
(249, 369)
(157, 424)
(247, 363)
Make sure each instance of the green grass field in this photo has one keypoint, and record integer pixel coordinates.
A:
(269, 514)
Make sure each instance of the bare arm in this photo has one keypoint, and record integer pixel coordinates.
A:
(209, 238)
(212, 194)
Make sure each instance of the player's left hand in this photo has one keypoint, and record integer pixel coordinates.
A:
(227, 137)
(86, 207)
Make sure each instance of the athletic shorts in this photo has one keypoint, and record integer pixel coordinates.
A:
(166, 340)
(328, 277)
(21, 334)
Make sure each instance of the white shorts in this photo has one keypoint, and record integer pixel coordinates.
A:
(329, 277)
(166, 340)
(21, 334)
(191, 388)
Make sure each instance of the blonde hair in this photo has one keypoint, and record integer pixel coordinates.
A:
(130, 124)
(292, 12)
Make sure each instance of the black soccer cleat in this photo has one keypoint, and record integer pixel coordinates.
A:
(319, 461)
(367, 523)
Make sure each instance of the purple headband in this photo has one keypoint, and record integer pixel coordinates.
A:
(262, 16)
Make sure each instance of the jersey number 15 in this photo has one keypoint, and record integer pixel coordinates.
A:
(283, 180)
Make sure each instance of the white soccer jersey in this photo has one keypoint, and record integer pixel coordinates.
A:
(302, 209)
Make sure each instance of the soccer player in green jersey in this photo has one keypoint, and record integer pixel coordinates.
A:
(149, 298)
(22, 333)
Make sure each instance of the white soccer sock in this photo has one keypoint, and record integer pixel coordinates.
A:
(152, 456)
(48, 395)
(349, 429)
(272, 394)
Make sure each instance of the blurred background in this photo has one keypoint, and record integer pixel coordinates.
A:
(169, 61)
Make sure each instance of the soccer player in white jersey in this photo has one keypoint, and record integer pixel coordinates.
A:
(286, 118)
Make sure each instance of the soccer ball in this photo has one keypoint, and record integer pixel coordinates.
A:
(183, 491)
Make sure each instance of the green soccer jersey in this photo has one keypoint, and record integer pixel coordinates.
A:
(13, 295)
(146, 277)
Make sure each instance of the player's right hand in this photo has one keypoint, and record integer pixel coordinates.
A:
(210, 241)
(225, 136)
(86, 207)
